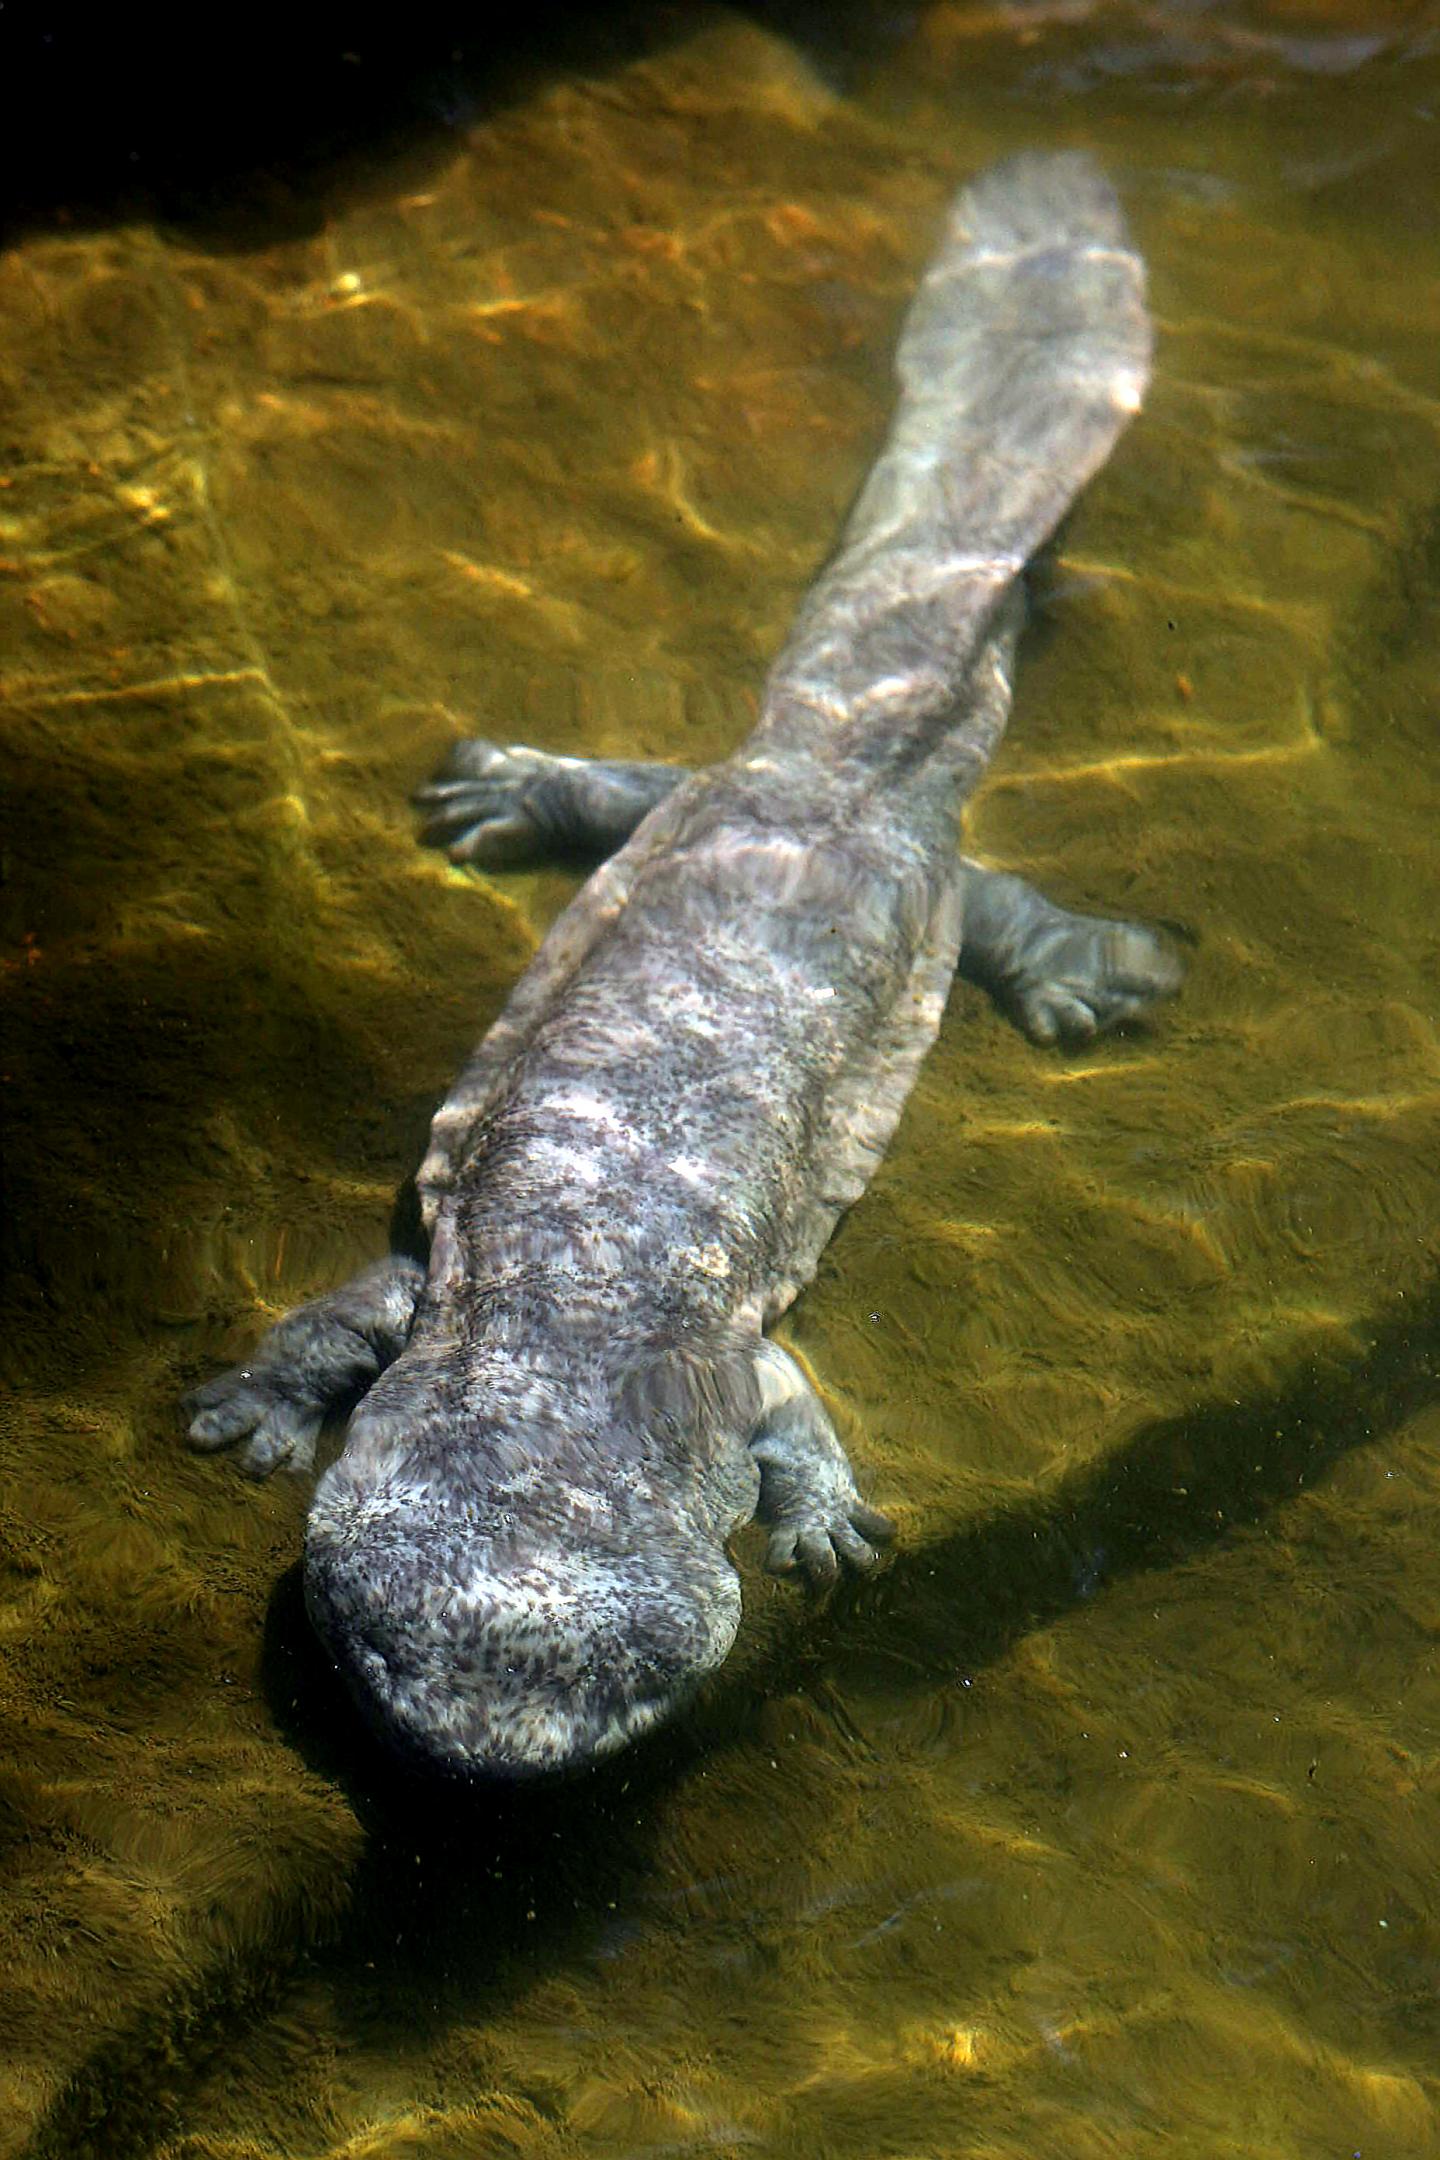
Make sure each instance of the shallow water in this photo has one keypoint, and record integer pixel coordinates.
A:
(1105, 1822)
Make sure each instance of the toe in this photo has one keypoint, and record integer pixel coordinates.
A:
(818, 1556)
(853, 1549)
(780, 1557)
(1054, 1012)
(495, 840)
(283, 1437)
(1139, 963)
(223, 1413)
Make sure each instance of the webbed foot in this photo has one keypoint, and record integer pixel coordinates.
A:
(480, 804)
(261, 1412)
(1088, 976)
(501, 806)
(812, 1533)
(311, 1365)
(808, 1495)
(1060, 976)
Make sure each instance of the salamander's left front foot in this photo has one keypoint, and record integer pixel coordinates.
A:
(808, 1495)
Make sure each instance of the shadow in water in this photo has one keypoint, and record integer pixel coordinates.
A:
(1171, 1490)
(255, 140)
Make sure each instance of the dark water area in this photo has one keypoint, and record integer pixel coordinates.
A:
(519, 389)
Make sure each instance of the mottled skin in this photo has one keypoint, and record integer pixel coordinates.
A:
(519, 1560)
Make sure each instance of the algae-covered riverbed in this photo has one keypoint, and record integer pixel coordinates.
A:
(1105, 1822)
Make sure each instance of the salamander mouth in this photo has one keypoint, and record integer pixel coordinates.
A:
(548, 1731)
(534, 1668)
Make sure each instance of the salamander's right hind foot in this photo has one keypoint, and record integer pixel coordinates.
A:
(481, 805)
(497, 806)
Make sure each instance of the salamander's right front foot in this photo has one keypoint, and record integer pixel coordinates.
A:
(310, 1366)
(261, 1411)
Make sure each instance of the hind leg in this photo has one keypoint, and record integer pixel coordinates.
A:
(1059, 976)
(493, 806)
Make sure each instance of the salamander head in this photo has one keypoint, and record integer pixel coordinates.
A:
(513, 1652)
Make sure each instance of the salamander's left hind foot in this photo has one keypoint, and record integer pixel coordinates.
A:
(1061, 977)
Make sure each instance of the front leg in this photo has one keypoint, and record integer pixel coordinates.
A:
(311, 1365)
(808, 1495)
(493, 806)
